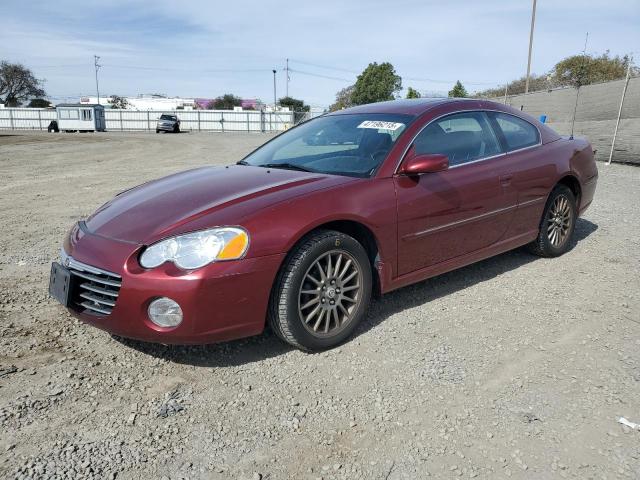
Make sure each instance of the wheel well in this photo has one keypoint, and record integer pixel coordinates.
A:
(364, 236)
(574, 185)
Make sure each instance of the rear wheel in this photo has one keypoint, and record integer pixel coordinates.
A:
(322, 292)
(557, 224)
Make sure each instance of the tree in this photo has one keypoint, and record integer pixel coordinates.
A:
(458, 90)
(516, 87)
(344, 99)
(578, 70)
(225, 102)
(17, 83)
(412, 93)
(39, 103)
(294, 104)
(118, 103)
(376, 83)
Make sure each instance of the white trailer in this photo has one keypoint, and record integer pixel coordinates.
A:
(78, 117)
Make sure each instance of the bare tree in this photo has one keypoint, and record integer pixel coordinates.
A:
(17, 83)
(343, 99)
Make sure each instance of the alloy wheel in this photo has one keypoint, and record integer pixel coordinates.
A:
(559, 221)
(330, 293)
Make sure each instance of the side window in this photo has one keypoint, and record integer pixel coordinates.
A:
(463, 137)
(86, 114)
(518, 133)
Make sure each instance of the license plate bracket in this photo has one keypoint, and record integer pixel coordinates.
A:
(60, 284)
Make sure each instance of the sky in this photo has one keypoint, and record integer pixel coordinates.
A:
(194, 48)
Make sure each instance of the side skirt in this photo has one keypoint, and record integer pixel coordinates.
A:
(459, 262)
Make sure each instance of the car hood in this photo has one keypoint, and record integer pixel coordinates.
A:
(178, 203)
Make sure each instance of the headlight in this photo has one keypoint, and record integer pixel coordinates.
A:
(197, 249)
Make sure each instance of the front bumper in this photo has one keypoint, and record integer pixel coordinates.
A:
(166, 128)
(222, 301)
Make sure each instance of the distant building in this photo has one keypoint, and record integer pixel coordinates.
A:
(247, 103)
(158, 102)
(147, 102)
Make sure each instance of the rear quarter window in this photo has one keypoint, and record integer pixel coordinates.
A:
(518, 133)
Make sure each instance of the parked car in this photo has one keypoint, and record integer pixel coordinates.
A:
(168, 123)
(300, 236)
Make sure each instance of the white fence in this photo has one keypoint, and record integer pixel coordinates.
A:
(134, 120)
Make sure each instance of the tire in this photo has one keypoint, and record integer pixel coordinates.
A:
(301, 288)
(157, 131)
(557, 224)
(176, 129)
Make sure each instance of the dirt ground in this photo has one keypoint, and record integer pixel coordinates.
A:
(514, 367)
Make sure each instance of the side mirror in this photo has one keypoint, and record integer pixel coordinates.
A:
(425, 163)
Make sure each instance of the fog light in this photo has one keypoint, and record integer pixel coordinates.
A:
(164, 312)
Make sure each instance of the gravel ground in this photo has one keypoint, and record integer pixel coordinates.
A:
(514, 367)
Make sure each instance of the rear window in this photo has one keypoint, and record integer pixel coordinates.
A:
(518, 133)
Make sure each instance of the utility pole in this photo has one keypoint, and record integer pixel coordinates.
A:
(533, 22)
(275, 101)
(95, 63)
(579, 81)
(505, 93)
(624, 92)
(287, 70)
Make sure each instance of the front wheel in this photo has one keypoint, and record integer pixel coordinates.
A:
(557, 224)
(322, 292)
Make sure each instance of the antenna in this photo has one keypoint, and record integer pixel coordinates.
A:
(579, 81)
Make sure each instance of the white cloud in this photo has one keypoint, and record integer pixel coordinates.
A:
(483, 42)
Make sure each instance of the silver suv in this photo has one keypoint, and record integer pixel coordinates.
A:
(168, 123)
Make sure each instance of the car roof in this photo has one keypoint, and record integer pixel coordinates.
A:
(414, 107)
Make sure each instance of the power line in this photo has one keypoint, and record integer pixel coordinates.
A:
(61, 66)
(319, 75)
(413, 79)
(326, 67)
(433, 80)
(169, 69)
(264, 70)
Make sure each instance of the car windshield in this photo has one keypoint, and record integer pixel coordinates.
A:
(348, 144)
(167, 117)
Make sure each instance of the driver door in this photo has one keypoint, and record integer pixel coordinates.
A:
(460, 210)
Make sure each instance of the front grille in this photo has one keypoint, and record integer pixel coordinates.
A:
(94, 290)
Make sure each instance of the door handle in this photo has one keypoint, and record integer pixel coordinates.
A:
(505, 180)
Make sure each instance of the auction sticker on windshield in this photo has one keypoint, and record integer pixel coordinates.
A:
(380, 125)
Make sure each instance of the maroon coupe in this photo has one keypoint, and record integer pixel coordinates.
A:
(306, 228)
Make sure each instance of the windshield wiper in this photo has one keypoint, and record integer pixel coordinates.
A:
(286, 166)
